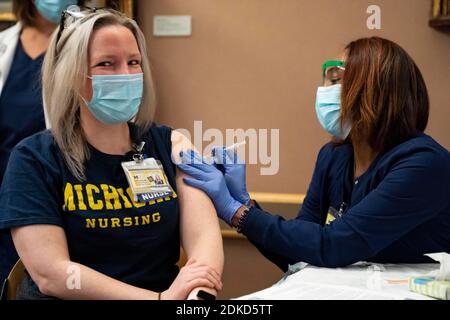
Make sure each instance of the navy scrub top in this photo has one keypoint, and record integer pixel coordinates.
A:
(21, 115)
(397, 211)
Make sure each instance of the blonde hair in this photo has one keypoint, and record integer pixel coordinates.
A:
(65, 70)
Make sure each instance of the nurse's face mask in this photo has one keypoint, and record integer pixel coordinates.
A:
(328, 99)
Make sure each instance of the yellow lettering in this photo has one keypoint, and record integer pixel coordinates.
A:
(94, 205)
(111, 195)
(127, 222)
(115, 222)
(156, 217)
(69, 203)
(79, 189)
(125, 199)
(103, 223)
(145, 219)
(90, 223)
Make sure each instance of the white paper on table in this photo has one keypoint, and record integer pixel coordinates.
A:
(361, 281)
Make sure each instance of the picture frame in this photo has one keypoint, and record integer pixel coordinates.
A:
(128, 7)
(125, 6)
(6, 14)
(7, 18)
(440, 15)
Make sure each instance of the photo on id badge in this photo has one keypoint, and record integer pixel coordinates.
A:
(149, 178)
(155, 180)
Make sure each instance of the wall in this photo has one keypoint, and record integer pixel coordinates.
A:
(256, 64)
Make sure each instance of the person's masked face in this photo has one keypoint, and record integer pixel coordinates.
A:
(328, 99)
(114, 89)
(52, 9)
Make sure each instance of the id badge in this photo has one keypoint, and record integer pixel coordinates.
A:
(147, 180)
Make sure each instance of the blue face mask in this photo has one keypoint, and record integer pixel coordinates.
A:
(328, 110)
(52, 9)
(116, 98)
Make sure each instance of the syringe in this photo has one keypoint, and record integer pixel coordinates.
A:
(235, 146)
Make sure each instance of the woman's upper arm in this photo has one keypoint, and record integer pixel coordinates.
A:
(198, 219)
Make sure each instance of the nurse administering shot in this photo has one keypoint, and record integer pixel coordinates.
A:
(380, 189)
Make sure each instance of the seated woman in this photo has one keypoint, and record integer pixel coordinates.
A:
(65, 197)
(380, 192)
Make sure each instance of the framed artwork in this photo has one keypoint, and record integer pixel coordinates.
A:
(7, 18)
(6, 11)
(125, 6)
(128, 7)
(440, 14)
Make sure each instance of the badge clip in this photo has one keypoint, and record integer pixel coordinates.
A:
(138, 157)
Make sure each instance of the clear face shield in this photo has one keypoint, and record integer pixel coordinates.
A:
(333, 72)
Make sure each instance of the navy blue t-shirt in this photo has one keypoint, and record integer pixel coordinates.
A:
(137, 243)
(397, 211)
(21, 115)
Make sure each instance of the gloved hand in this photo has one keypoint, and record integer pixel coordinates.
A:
(234, 172)
(205, 176)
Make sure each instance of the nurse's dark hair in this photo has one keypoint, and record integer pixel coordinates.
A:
(384, 95)
(25, 11)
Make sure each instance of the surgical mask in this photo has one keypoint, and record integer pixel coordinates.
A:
(328, 109)
(116, 98)
(52, 9)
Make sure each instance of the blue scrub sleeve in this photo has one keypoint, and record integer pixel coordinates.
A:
(415, 190)
(310, 209)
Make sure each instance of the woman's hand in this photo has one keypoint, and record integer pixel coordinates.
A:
(207, 177)
(191, 276)
(234, 172)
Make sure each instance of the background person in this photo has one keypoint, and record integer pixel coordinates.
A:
(21, 112)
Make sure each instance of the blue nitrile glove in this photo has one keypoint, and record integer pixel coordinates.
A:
(234, 172)
(205, 176)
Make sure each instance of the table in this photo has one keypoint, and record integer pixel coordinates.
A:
(360, 281)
